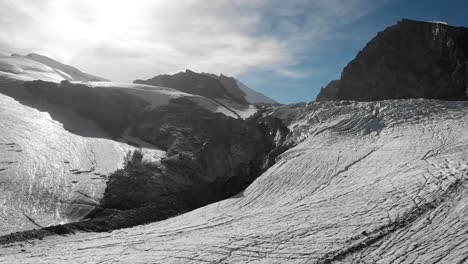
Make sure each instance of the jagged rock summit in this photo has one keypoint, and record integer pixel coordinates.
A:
(209, 85)
(412, 59)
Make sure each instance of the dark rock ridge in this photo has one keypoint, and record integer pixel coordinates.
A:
(230, 84)
(200, 84)
(209, 85)
(411, 59)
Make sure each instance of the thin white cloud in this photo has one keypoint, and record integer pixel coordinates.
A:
(128, 39)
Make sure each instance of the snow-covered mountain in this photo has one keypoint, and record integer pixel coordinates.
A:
(37, 67)
(72, 73)
(60, 141)
(20, 68)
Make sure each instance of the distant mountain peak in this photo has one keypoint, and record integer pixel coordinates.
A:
(209, 85)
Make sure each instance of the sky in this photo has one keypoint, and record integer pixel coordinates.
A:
(287, 50)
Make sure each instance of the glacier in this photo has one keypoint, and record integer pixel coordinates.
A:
(368, 182)
(55, 160)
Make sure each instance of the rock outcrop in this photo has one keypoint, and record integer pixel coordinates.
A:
(210, 157)
(411, 59)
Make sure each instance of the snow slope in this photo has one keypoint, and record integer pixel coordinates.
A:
(51, 173)
(38, 67)
(71, 72)
(379, 182)
(19, 68)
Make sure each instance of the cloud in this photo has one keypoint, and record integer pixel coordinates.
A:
(128, 39)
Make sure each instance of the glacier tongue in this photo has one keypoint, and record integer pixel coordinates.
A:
(373, 182)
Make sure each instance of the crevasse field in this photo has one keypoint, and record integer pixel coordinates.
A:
(381, 182)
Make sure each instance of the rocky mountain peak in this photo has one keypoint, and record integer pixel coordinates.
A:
(411, 59)
(208, 85)
(193, 83)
